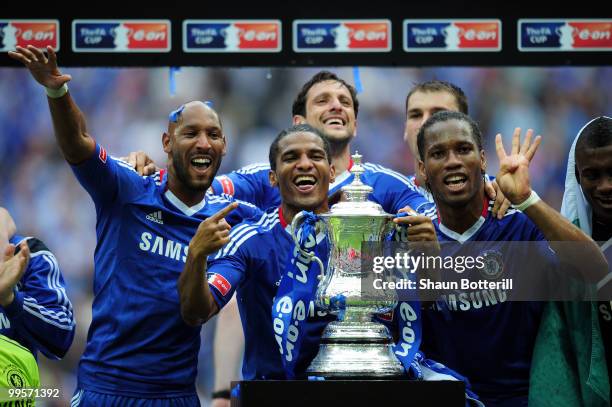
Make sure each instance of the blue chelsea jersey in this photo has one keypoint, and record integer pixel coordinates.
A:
(252, 263)
(392, 190)
(479, 332)
(138, 344)
(40, 316)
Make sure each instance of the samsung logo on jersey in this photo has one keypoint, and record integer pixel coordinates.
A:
(473, 300)
(163, 247)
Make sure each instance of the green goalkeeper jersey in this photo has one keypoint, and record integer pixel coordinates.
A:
(18, 369)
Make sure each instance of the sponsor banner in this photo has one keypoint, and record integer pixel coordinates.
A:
(121, 36)
(39, 33)
(564, 35)
(232, 36)
(452, 35)
(342, 36)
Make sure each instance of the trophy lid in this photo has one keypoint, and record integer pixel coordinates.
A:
(356, 193)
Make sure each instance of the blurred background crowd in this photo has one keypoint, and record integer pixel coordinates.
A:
(127, 110)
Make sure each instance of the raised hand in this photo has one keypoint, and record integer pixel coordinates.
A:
(12, 268)
(141, 162)
(212, 233)
(513, 175)
(43, 69)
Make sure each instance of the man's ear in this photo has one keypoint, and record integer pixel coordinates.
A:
(272, 178)
(224, 146)
(167, 143)
(298, 119)
(332, 173)
(422, 172)
(483, 162)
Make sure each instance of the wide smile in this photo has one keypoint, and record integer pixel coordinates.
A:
(335, 122)
(455, 182)
(305, 183)
(201, 163)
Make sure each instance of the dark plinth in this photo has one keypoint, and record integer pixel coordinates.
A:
(354, 393)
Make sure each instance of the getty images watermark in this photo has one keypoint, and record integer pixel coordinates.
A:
(406, 263)
(476, 272)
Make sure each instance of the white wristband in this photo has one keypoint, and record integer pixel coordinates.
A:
(533, 198)
(57, 93)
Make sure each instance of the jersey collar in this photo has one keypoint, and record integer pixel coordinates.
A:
(281, 217)
(187, 210)
(174, 200)
(468, 234)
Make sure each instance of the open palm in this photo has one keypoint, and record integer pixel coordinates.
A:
(43, 69)
(513, 175)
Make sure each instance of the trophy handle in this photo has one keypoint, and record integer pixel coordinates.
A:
(295, 223)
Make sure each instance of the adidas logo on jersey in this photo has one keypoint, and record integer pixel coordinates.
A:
(155, 217)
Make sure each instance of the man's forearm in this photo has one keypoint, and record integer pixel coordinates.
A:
(228, 346)
(585, 256)
(70, 131)
(197, 302)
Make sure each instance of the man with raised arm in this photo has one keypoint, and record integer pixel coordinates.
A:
(139, 351)
(482, 334)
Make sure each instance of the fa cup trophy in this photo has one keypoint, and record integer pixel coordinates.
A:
(354, 346)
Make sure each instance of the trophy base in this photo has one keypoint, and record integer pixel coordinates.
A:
(356, 350)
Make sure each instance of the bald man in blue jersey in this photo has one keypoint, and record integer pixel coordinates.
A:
(139, 351)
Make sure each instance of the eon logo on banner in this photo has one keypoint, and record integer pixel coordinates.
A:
(565, 35)
(452, 35)
(39, 33)
(232, 36)
(121, 35)
(341, 35)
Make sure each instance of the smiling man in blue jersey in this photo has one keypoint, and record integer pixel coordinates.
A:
(330, 105)
(139, 351)
(258, 253)
(491, 344)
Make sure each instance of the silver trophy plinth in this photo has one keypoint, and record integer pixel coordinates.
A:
(354, 346)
